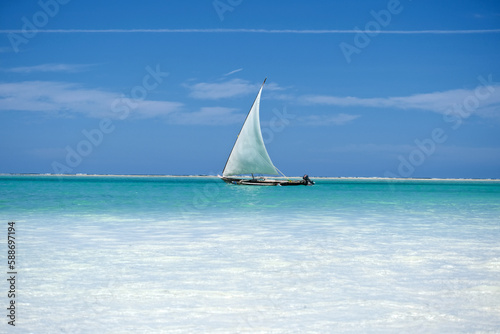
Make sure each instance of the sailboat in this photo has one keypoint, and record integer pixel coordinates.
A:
(249, 156)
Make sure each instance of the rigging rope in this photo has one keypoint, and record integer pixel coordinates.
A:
(286, 177)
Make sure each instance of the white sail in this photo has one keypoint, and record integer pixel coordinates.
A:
(249, 154)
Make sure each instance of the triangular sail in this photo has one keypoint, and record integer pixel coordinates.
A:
(249, 154)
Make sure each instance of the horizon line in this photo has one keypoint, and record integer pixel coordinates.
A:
(244, 30)
(382, 178)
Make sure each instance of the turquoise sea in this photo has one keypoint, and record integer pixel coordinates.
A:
(196, 255)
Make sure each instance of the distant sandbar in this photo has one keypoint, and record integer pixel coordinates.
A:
(339, 178)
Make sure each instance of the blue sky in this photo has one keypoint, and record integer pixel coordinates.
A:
(362, 88)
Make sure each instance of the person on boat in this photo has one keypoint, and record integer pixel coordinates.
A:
(307, 180)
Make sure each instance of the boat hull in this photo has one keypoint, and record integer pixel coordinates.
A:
(262, 182)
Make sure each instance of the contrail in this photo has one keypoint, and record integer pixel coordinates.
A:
(257, 31)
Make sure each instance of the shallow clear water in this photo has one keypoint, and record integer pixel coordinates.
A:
(182, 255)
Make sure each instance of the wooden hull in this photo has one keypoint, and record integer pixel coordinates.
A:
(262, 182)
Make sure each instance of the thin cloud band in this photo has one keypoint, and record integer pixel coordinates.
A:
(260, 31)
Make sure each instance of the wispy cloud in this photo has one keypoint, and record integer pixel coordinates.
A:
(391, 149)
(325, 120)
(69, 68)
(487, 155)
(221, 90)
(439, 102)
(49, 153)
(149, 109)
(261, 31)
(67, 99)
(486, 15)
(207, 116)
(227, 89)
(232, 72)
